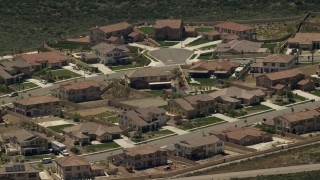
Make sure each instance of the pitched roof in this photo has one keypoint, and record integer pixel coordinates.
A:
(92, 128)
(196, 142)
(212, 33)
(115, 27)
(171, 23)
(301, 115)
(281, 58)
(240, 133)
(16, 63)
(17, 168)
(72, 161)
(81, 85)
(234, 26)
(138, 115)
(21, 135)
(215, 66)
(147, 72)
(230, 37)
(51, 57)
(304, 38)
(237, 93)
(105, 48)
(184, 104)
(37, 100)
(4, 74)
(257, 64)
(142, 150)
(282, 74)
(303, 82)
(239, 46)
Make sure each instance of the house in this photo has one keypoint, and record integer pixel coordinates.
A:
(211, 35)
(220, 69)
(114, 40)
(24, 142)
(190, 31)
(241, 30)
(135, 37)
(86, 132)
(306, 85)
(19, 171)
(112, 54)
(278, 62)
(240, 47)
(45, 60)
(245, 136)
(199, 148)
(101, 34)
(143, 119)
(87, 90)
(169, 29)
(89, 58)
(286, 78)
(147, 156)
(12, 72)
(305, 41)
(233, 97)
(229, 37)
(192, 106)
(149, 77)
(76, 167)
(37, 106)
(298, 123)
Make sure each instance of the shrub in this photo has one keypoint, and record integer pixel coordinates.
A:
(75, 150)
(279, 100)
(76, 143)
(76, 117)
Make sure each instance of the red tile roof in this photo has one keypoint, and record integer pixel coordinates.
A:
(81, 85)
(304, 38)
(115, 27)
(283, 74)
(215, 66)
(301, 115)
(212, 33)
(281, 58)
(51, 57)
(37, 100)
(234, 26)
(172, 23)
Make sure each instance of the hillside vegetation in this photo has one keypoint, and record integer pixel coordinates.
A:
(25, 24)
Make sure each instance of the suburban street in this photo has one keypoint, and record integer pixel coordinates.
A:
(253, 173)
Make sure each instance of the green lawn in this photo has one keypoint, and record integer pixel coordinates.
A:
(155, 92)
(113, 119)
(258, 107)
(198, 122)
(210, 91)
(140, 62)
(269, 46)
(23, 86)
(34, 157)
(61, 74)
(193, 56)
(160, 132)
(316, 92)
(207, 57)
(167, 43)
(146, 29)
(122, 67)
(204, 82)
(209, 47)
(198, 42)
(5, 89)
(109, 145)
(70, 46)
(59, 127)
(204, 29)
(103, 115)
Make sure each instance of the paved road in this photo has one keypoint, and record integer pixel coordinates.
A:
(254, 173)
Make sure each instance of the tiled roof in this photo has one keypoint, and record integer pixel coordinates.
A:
(51, 57)
(303, 82)
(202, 141)
(281, 58)
(37, 100)
(304, 38)
(239, 46)
(142, 150)
(215, 66)
(282, 74)
(172, 23)
(21, 134)
(138, 115)
(147, 72)
(234, 26)
(230, 37)
(115, 27)
(16, 63)
(68, 161)
(212, 33)
(105, 48)
(240, 133)
(27, 168)
(92, 128)
(301, 115)
(235, 92)
(258, 64)
(184, 104)
(81, 85)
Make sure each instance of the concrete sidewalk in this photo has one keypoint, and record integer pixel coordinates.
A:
(174, 129)
(273, 106)
(204, 45)
(226, 118)
(149, 48)
(37, 82)
(104, 69)
(306, 95)
(185, 42)
(124, 142)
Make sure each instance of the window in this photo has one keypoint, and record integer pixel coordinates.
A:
(282, 65)
(68, 169)
(273, 64)
(32, 175)
(265, 63)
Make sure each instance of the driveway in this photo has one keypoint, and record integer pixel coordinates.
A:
(306, 95)
(104, 69)
(175, 130)
(81, 72)
(38, 82)
(172, 55)
(125, 142)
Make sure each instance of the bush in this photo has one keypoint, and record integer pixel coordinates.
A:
(279, 100)
(75, 150)
(76, 117)
(76, 143)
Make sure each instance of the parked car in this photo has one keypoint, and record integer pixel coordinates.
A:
(14, 94)
(64, 153)
(46, 160)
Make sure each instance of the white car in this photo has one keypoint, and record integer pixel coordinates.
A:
(46, 160)
(64, 153)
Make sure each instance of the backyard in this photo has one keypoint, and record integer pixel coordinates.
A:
(59, 128)
(198, 122)
(106, 116)
(155, 92)
(146, 29)
(70, 46)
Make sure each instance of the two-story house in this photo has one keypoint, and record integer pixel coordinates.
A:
(24, 142)
(169, 29)
(37, 106)
(149, 77)
(241, 30)
(142, 157)
(305, 41)
(103, 33)
(12, 72)
(143, 119)
(277, 62)
(192, 106)
(199, 148)
(78, 91)
(110, 54)
(76, 167)
(19, 171)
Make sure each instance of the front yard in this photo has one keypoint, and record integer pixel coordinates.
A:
(198, 122)
(198, 42)
(55, 75)
(247, 110)
(155, 92)
(23, 86)
(37, 157)
(106, 145)
(207, 57)
(316, 92)
(138, 136)
(141, 61)
(70, 46)
(284, 100)
(167, 43)
(203, 29)
(59, 128)
(202, 81)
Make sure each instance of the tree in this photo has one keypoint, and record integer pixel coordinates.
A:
(61, 115)
(75, 150)
(290, 95)
(76, 117)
